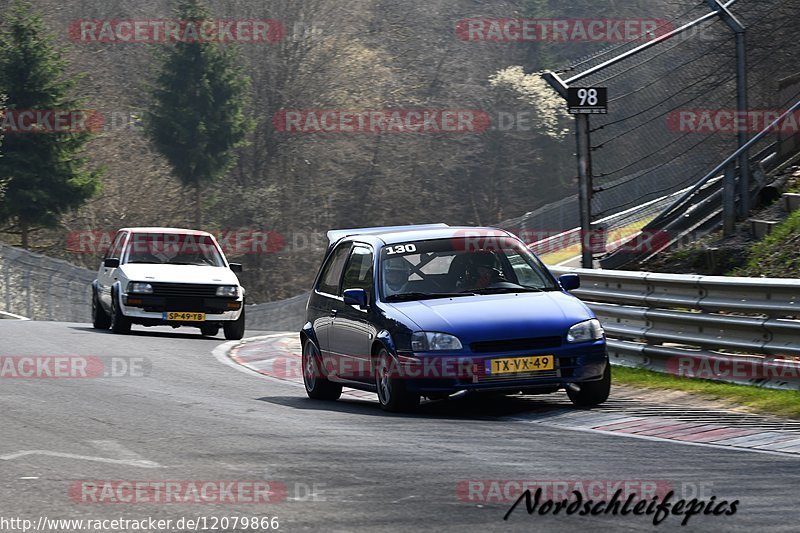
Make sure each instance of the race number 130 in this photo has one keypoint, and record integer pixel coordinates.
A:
(401, 249)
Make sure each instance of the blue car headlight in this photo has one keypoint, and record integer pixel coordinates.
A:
(428, 341)
(590, 330)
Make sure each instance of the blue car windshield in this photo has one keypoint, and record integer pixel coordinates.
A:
(461, 266)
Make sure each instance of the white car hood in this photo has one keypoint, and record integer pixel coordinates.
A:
(180, 274)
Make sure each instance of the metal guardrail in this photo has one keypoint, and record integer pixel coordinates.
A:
(43, 288)
(737, 330)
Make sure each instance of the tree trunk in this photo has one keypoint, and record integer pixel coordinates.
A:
(25, 232)
(198, 206)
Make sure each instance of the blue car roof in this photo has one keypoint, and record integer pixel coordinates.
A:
(339, 234)
(400, 234)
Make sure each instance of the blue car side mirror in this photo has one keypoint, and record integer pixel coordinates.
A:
(570, 282)
(356, 297)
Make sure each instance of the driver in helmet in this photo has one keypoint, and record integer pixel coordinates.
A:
(395, 275)
(481, 271)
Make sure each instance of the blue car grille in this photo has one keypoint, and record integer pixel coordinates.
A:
(504, 378)
(513, 345)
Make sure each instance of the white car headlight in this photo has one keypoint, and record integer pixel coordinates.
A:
(591, 330)
(426, 341)
(137, 287)
(228, 291)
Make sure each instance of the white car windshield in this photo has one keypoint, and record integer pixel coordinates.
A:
(173, 249)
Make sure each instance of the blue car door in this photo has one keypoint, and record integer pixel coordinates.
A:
(323, 303)
(353, 332)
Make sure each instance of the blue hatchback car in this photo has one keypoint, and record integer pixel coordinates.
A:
(435, 310)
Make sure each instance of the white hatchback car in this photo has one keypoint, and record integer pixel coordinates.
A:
(166, 276)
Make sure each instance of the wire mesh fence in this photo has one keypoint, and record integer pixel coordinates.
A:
(672, 109)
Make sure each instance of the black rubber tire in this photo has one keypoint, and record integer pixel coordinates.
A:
(317, 387)
(392, 392)
(593, 393)
(234, 331)
(100, 319)
(119, 323)
(210, 330)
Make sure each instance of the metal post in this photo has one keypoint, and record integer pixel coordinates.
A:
(729, 200)
(585, 187)
(742, 104)
(29, 297)
(741, 100)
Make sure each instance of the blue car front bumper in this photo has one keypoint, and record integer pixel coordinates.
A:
(449, 373)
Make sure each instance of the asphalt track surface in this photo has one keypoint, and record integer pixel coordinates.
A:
(191, 416)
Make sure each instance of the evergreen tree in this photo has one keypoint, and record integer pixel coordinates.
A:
(44, 172)
(197, 119)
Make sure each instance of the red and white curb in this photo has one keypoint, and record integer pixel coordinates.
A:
(278, 357)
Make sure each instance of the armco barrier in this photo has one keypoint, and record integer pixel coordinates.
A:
(43, 288)
(739, 330)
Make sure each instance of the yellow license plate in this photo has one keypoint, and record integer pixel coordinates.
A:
(179, 316)
(515, 365)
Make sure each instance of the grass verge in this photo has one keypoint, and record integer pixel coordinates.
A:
(560, 256)
(778, 255)
(755, 399)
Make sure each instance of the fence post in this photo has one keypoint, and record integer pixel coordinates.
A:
(28, 296)
(741, 101)
(729, 200)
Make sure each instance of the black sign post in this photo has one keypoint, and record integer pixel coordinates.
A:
(585, 101)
